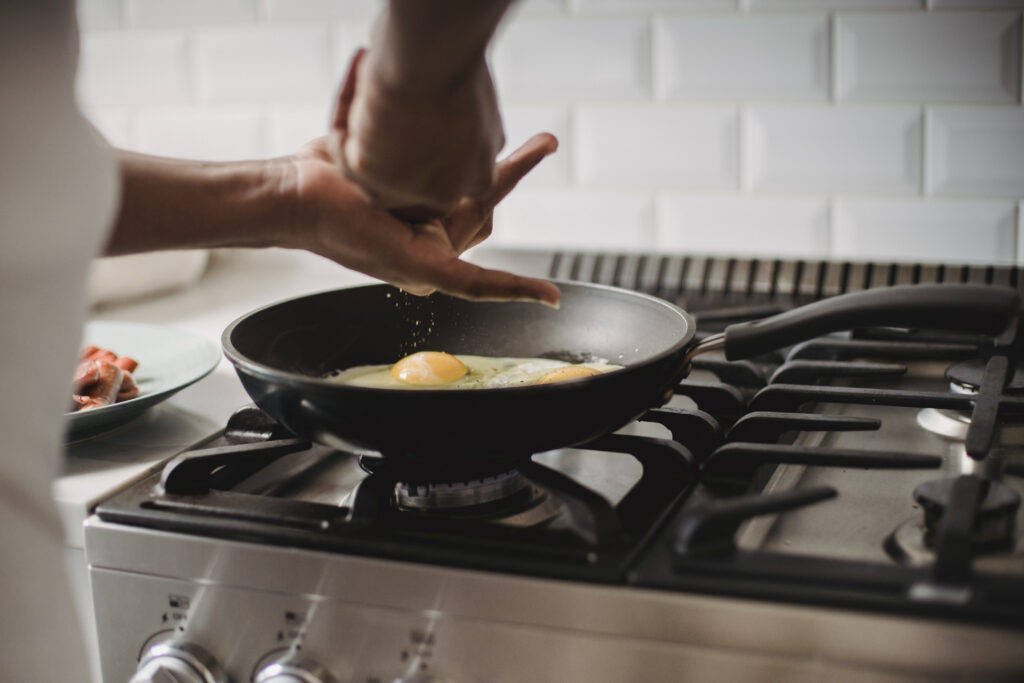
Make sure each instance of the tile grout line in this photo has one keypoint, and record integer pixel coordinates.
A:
(653, 52)
(1019, 234)
(833, 49)
(925, 190)
(742, 150)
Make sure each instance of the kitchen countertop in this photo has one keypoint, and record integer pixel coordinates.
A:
(236, 282)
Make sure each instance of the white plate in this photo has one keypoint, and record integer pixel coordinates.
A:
(169, 360)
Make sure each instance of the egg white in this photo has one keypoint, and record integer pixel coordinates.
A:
(485, 372)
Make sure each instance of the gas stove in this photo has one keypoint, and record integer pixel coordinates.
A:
(846, 510)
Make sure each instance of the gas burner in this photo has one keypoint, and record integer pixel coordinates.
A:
(913, 542)
(965, 377)
(994, 519)
(462, 494)
(953, 424)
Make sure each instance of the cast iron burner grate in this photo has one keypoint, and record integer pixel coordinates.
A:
(588, 538)
(698, 551)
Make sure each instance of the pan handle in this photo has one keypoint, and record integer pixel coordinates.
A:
(961, 308)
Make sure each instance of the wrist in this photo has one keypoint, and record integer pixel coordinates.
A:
(278, 205)
(400, 80)
(403, 63)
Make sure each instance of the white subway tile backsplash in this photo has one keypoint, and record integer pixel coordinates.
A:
(350, 35)
(835, 4)
(537, 7)
(152, 13)
(1020, 233)
(264, 64)
(835, 150)
(579, 219)
(209, 133)
(973, 151)
(317, 10)
(292, 126)
(114, 123)
(885, 129)
(524, 121)
(976, 4)
(98, 14)
(652, 146)
(141, 67)
(743, 225)
(634, 5)
(743, 57)
(949, 230)
(563, 59)
(935, 57)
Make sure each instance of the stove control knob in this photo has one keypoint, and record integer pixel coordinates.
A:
(170, 662)
(291, 670)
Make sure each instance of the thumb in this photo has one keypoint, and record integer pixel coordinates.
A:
(339, 121)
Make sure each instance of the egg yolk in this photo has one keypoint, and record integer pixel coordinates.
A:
(567, 372)
(428, 368)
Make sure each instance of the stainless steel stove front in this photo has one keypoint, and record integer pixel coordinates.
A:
(265, 613)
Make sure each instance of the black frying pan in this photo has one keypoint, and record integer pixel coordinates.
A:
(283, 351)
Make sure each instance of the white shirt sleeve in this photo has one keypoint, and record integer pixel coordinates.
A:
(58, 196)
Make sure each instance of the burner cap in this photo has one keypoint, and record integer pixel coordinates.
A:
(460, 494)
(995, 518)
(967, 375)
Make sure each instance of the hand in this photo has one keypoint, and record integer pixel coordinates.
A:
(417, 150)
(339, 220)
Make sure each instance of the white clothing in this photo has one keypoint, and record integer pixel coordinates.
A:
(58, 196)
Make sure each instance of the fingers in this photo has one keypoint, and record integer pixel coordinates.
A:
(484, 172)
(483, 233)
(348, 92)
(415, 214)
(468, 281)
(337, 137)
(512, 168)
(471, 222)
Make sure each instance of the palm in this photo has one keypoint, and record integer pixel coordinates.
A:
(419, 256)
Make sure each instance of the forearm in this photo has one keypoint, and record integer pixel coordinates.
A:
(180, 204)
(431, 43)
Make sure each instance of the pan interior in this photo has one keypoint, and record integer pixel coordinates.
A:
(378, 324)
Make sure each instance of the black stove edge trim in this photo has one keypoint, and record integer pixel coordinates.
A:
(992, 600)
(592, 567)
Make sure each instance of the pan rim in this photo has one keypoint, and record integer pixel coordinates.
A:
(260, 370)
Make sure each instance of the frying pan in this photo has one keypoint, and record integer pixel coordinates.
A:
(282, 353)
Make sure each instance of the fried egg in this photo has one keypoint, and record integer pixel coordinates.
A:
(428, 369)
(439, 370)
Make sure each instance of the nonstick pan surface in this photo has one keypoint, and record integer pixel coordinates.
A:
(284, 352)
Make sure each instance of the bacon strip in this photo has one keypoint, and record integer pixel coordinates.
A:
(102, 354)
(104, 391)
(128, 387)
(102, 378)
(86, 374)
(127, 364)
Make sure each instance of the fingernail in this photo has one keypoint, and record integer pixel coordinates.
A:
(529, 300)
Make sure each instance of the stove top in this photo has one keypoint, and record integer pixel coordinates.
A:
(874, 472)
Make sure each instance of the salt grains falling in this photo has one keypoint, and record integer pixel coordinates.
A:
(421, 328)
